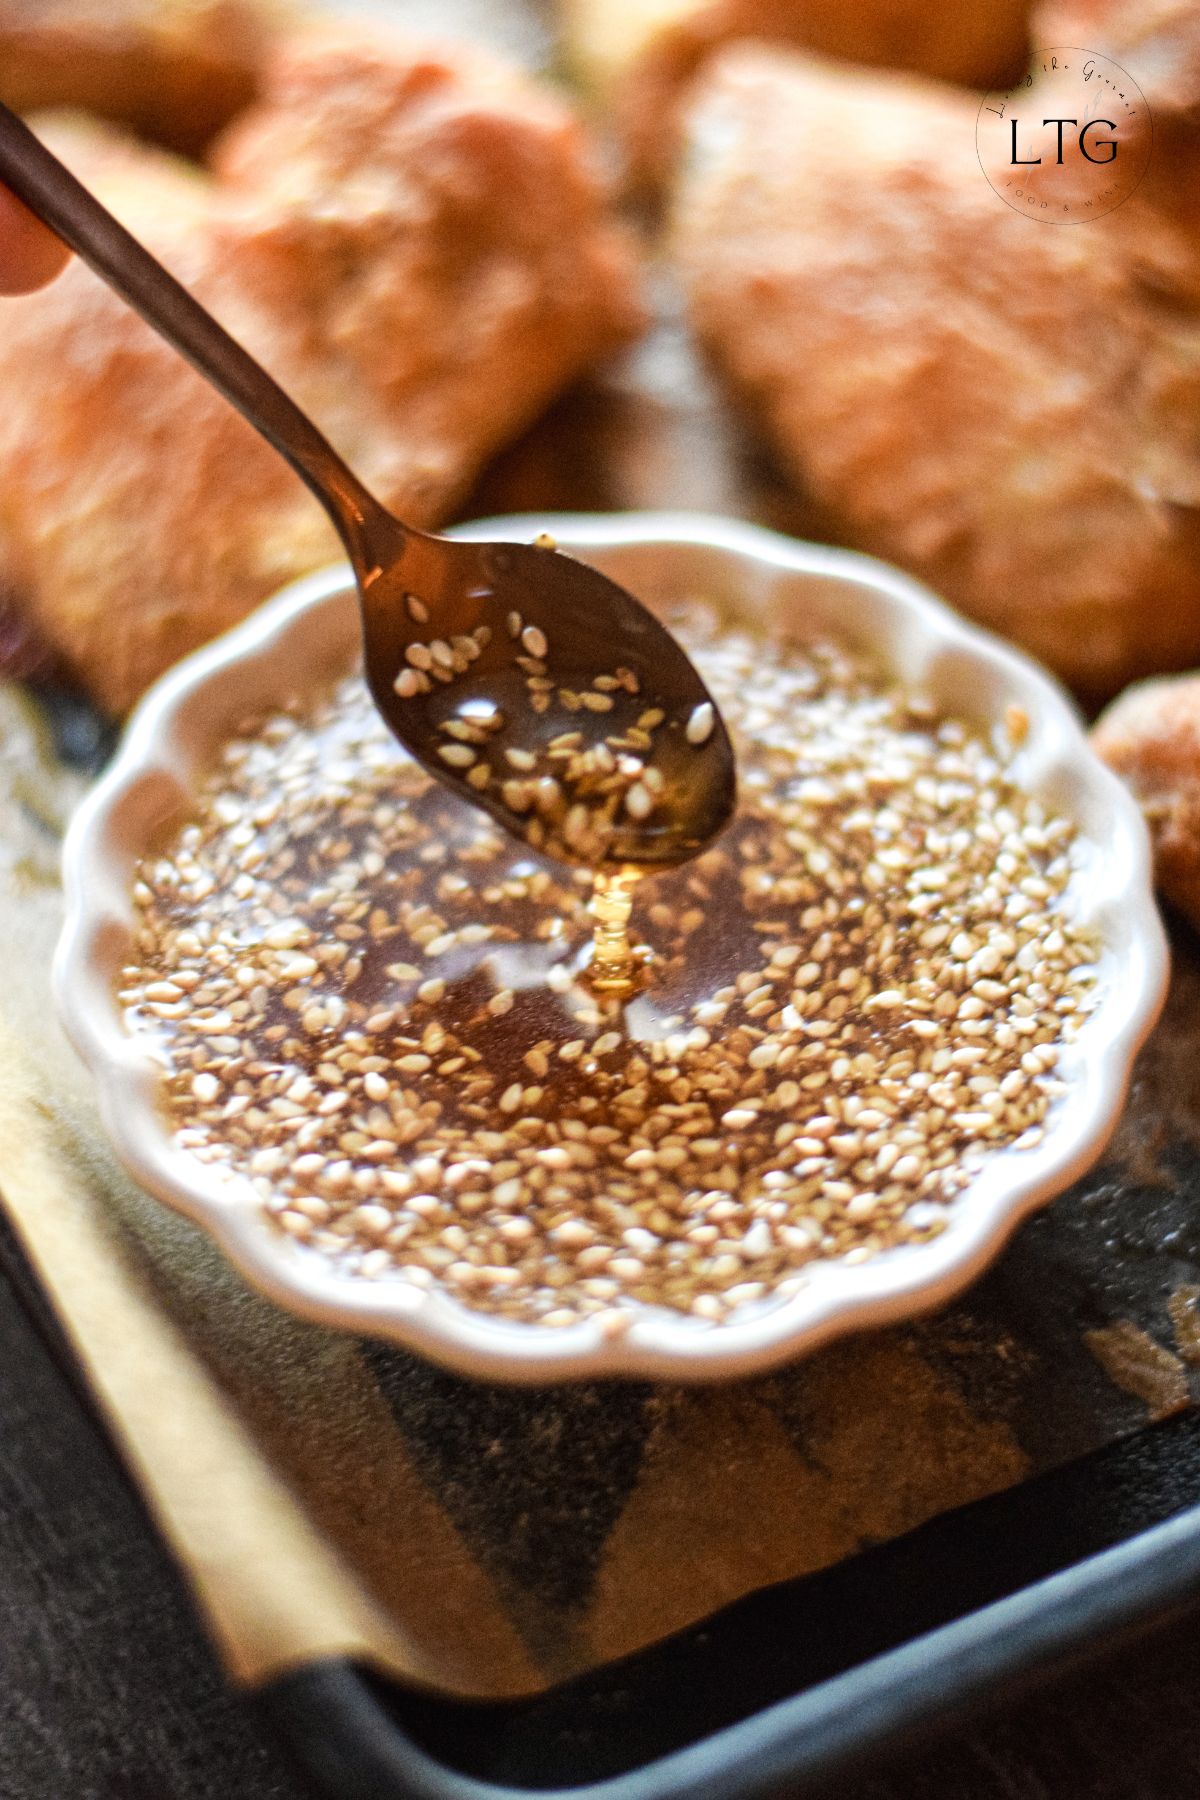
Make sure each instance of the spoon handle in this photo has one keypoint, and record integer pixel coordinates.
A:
(49, 189)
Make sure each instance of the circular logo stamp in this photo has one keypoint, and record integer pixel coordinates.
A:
(1070, 141)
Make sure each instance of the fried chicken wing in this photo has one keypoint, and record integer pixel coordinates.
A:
(173, 70)
(412, 242)
(1007, 408)
(641, 55)
(1151, 737)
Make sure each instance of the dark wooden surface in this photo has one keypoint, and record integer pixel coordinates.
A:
(108, 1690)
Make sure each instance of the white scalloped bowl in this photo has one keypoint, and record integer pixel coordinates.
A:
(297, 642)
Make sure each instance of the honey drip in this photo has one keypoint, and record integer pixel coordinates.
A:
(615, 962)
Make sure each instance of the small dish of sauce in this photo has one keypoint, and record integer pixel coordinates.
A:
(442, 1058)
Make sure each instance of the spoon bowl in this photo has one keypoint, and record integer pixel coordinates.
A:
(549, 696)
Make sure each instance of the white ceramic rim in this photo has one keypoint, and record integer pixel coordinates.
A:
(150, 779)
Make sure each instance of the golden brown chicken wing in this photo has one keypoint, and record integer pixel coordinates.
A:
(1006, 407)
(173, 70)
(640, 55)
(413, 242)
(1151, 737)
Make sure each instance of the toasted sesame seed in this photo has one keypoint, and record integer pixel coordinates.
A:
(517, 795)
(1016, 723)
(700, 723)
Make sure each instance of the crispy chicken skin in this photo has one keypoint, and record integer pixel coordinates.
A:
(1008, 409)
(641, 55)
(1151, 737)
(411, 241)
(173, 70)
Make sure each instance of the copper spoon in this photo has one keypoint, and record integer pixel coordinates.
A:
(530, 683)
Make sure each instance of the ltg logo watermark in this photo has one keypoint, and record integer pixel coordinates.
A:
(1069, 142)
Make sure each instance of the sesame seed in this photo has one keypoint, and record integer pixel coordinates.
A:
(700, 723)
